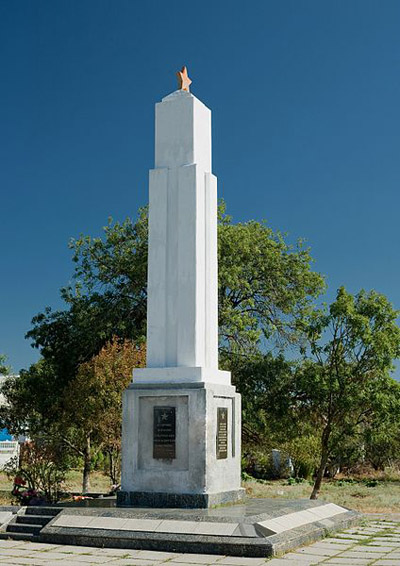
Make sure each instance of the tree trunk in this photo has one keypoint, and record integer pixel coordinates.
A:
(111, 468)
(114, 468)
(322, 466)
(86, 467)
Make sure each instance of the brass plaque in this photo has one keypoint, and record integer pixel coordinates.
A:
(164, 435)
(222, 433)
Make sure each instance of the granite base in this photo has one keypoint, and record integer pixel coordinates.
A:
(260, 527)
(179, 500)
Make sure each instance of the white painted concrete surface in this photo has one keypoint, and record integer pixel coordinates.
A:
(196, 469)
(182, 320)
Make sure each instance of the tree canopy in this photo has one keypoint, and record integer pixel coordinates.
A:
(266, 286)
(83, 415)
(3, 368)
(344, 379)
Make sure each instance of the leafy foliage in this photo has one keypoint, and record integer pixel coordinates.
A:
(42, 467)
(339, 397)
(4, 370)
(265, 287)
(82, 415)
(344, 379)
(92, 403)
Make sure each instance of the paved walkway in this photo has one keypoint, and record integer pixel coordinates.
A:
(375, 543)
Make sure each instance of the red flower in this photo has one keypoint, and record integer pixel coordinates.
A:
(19, 481)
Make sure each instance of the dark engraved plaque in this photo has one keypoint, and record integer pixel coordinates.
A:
(222, 433)
(164, 437)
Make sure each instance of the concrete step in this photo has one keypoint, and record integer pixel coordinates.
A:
(19, 536)
(23, 528)
(49, 511)
(34, 519)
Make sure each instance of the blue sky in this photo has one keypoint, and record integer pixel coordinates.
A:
(306, 130)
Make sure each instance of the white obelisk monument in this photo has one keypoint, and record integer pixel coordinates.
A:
(181, 415)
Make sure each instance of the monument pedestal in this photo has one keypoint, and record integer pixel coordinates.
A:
(183, 444)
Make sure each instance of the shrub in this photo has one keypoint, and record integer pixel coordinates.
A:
(40, 472)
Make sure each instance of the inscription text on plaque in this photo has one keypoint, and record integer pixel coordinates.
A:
(222, 433)
(164, 435)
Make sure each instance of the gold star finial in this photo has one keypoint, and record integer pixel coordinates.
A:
(183, 80)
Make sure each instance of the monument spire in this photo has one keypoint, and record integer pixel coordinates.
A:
(183, 79)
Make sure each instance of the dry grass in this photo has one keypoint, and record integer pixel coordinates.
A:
(383, 498)
(99, 483)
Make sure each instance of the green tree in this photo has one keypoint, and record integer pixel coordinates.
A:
(4, 370)
(266, 287)
(30, 400)
(344, 379)
(381, 436)
(92, 402)
(83, 415)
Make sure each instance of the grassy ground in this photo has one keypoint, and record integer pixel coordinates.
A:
(99, 483)
(384, 497)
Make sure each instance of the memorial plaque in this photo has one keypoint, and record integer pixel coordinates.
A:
(222, 433)
(164, 437)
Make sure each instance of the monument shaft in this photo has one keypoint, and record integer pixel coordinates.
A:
(182, 279)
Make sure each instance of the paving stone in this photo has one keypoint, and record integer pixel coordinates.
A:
(388, 562)
(146, 525)
(355, 561)
(51, 555)
(72, 549)
(389, 538)
(329, 545)
(340, 541)
(241, 561)
(134, 562)
(196, 559)
(182, 563)
(73, 521)
(7, 552)
(370, 548)
(359, 554)
(293, 558)
(317, 551)
(41, 546)
(30, 560)
(92, 558)
(117, 552)
(107, 523)
(9, 543)
(353, 537)
(385, 543)
(347, 541)
(155, 555)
